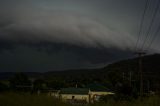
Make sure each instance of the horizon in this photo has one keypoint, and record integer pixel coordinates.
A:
(84, 69)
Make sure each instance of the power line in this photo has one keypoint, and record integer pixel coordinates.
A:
(151, 24)
(154, 37)
(142, 22)
(140, 55)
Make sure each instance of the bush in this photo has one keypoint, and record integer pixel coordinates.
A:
(3, 87)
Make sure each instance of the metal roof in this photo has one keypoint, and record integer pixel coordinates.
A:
(81, 91)
(97, 87)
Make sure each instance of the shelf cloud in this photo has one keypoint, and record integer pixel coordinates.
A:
(62, 27)
(93, 33)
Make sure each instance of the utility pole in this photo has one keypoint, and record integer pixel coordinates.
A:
(130, 78)
(123, 76)
(140, 56)
(148, 85)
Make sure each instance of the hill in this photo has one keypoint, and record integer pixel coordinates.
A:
(115, 73)
(110, 75)
(151, 65)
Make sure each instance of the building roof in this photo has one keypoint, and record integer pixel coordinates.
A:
(81, 91)
(97, 87)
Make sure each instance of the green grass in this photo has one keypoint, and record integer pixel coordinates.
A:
(25, 99)
(147, 101)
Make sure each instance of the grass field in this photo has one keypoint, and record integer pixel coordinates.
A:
(24, 99)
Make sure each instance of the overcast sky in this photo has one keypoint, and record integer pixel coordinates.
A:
(46, 35)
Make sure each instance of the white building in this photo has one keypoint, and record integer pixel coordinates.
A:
(90, 94)
(75, 94)
(97, 90)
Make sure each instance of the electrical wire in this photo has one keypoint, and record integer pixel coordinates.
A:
(141, 24)
(151, 24)
(153, 38)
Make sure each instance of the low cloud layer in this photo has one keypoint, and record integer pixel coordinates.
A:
(83, 23)
(56, 57)
(62, 27)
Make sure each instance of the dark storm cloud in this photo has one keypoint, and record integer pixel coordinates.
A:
(44, 35)
(56, 57)
(38, 24)
(65, 28)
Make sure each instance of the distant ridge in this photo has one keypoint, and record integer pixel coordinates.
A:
(151, 67)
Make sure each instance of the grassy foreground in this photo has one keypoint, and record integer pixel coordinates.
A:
(24, 99)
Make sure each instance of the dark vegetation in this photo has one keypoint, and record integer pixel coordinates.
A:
(122, 76)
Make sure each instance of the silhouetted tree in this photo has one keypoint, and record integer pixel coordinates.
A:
(20, 80)
(39, 84)
(3, 87)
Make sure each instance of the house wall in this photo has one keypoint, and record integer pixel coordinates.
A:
(54, 94)
(100, 93)
(76, 97)
(94, 96)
